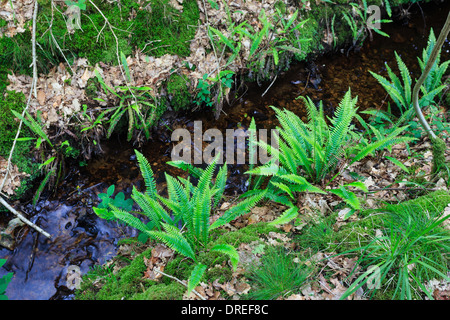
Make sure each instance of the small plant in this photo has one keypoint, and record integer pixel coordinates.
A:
(181, 220)
(4, 281)
(118, 201)
(364, 25)
(433, 81)
(412, 249)
(133, 102)
(53, 162)
(400, 90)
(204, 93)
(315, 153)
(276, 275)
(267, 45)
(213, 90)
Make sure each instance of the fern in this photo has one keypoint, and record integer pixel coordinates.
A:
(196, 276)
(315, 147)
(286, 216)
(236, 211)
(433, 83)
(400, 91)
(186, 205)
(174, 239)
(309, 152)
(230, 251)
(147, 174)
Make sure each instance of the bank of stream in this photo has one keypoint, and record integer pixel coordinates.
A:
(79, 238)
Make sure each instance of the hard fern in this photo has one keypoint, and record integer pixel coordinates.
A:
(400, 91)
(188, 206)
(309, 153)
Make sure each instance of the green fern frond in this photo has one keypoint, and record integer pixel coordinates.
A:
(220, 184)
(147, 174)
(287, 216)
(349, 197)
(151, 208)
(194, 171)
(174, 239)
(230, 251)
(195, 277)
(128, 219)
(241, 208)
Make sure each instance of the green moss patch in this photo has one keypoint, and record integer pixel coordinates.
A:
(128, 283)
(159, 29)
(178, 92)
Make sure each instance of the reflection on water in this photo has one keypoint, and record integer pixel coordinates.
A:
(79, 239)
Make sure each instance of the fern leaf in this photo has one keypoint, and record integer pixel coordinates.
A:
(302, 183)
(286, 217)
(195, 277)
(220, 183)
(147, 174)
(230, 251)
(174, 239)
(349, 197)
(241, 208)
(151, 208)
(128, 219)
(283, 187)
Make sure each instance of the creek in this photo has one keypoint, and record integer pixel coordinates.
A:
(79, 238)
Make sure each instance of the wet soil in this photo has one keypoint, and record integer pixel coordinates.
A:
(81, 239)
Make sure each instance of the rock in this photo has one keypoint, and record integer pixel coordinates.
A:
(7, 236)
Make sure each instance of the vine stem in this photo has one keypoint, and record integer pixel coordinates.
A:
(434, 53)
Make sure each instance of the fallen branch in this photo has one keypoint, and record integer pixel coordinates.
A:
(22, 218)
(178, 280)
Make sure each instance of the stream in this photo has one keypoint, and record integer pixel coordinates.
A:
(80, 239)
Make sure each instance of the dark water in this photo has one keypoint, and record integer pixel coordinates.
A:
(81, 239)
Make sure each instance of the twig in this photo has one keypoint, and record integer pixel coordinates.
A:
(117, 42)
(270, 85)
(56, 42)
(22, 218)
(33, 39)
(176, 279)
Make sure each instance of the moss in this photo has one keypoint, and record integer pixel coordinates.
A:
(128, 282)
(181, 267)
(439, 148)
(166, 30)
(3, 79)
(178, 91)
(15, 53)
(92, 86)
(11, 100)
(172, 291)
(434, 202)
(169, 30)
(247, 234)
(323, 235)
